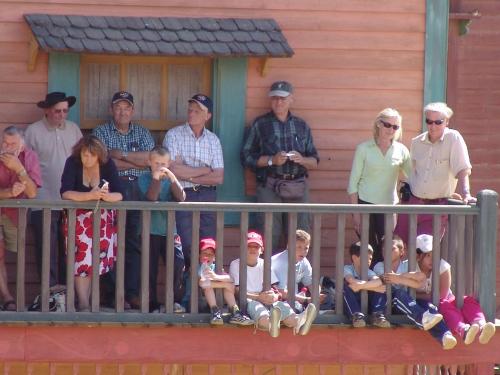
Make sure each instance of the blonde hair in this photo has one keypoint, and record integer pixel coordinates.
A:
(386, 114)
(439, 107)
(302, 235)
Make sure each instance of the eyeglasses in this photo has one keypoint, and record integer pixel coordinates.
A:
(435, 122)
(389, 125)
(65, 110)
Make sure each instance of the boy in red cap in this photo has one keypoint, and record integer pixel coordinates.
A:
(209, 280)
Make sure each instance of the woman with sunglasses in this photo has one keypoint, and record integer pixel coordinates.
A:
(377, 166)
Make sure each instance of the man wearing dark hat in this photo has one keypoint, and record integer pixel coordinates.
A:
(197, 162)
(280, 149)
(129, 145)
(52, 138)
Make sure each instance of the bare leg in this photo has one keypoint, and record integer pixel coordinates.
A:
(210, 296)
(82, 287)
(291, 321)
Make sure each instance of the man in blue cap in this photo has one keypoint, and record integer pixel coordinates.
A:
(197, 161)
(280, 149)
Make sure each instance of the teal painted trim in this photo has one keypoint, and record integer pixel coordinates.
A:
(64, 75)
(436, 51)
(229, 94)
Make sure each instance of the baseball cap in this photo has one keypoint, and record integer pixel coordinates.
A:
(281, 88)
(207, 243)
(122, 95)
(203, 101)
(254, 237)
(424, 243)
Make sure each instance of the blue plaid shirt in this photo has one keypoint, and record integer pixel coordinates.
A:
(268, 136)
(138, 138)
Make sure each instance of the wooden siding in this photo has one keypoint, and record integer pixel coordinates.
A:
(474, 94)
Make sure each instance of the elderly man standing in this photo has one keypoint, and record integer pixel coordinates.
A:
(197, 161)
(19, 178)
(52, 138)
(280, 149)
(129, 145)
(440, 164)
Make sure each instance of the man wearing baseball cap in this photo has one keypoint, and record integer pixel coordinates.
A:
(279, 148)
(129, 145)
(52, 138)
(265, 306)
(197, 162)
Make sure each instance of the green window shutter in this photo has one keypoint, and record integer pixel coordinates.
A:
(64, 75)
(436, 51)
(229, 93)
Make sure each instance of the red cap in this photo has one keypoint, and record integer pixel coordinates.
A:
(254, 237)
(207, 243)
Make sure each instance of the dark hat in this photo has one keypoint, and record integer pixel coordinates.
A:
(204, 101)
(122, 95)
(53, 98)
(281, 88)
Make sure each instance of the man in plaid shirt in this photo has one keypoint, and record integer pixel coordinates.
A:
(197, 161)
(279, 146)
(128, 145)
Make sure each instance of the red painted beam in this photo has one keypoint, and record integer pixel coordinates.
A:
(234, 345)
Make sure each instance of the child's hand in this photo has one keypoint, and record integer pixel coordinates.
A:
(209, 274)
(380, 289)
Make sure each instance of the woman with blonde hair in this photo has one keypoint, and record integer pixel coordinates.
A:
(377, 165)
(90, 174)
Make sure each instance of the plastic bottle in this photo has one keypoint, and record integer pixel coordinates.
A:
(204, 281)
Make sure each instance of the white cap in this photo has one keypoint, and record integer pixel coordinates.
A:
(424, 243)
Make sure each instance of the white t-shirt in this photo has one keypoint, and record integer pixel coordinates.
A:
(303, 270)
(443, 267)
(255, 275)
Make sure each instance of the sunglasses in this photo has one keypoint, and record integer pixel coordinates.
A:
(435, 122)
(61, 110)
(389, 125)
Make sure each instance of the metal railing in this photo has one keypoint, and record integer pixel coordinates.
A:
(469, 245)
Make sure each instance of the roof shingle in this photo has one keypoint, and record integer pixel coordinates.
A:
(168, 36)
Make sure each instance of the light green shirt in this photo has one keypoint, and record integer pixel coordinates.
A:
(374, 176)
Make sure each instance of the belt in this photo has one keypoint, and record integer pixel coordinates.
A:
(431, 201)
(285, 176)
(128, 178)
(200, 187)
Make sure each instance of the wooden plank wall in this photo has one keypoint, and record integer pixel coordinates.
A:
(353, 58)
(474, 93)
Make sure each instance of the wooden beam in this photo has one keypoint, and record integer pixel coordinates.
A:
(33, 49)
(264, 66)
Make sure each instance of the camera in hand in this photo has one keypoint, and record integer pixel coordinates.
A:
(405, 192)
(101, 184)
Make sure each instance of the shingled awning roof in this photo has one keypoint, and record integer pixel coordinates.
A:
(166, 36)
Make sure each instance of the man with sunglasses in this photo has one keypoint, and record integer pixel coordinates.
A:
(440, 168)
(52, 138)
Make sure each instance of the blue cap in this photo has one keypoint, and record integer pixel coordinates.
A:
(122, 95)
(204, 101)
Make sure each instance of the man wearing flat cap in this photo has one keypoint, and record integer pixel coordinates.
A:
(279, 148)
(129, 145)
(197, 162)
(440, 169)
(52, 138)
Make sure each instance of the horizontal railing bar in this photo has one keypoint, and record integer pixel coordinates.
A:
(247, 207)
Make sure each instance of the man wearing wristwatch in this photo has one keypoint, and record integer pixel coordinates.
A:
(279, 146)
(128, 145)
(19, 178)
(440, 169)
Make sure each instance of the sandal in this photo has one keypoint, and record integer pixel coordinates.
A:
(9, 306)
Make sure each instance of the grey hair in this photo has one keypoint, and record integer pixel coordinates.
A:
(439, 107)
(13, 130)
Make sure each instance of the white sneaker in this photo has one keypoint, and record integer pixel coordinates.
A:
(448, 341)
(274, 322)
(429, 320)
(487, 332)
(178, 308)
(305, 319)
(470, 334)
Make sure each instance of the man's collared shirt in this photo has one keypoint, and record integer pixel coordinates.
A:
(436, 165)
(8, 177)
(137, 138)
(53, 145)
(374, 176)
(303, 270)
(268, 136)
(205, 151)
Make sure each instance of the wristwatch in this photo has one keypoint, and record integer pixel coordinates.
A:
(270, 161)
(22, 173)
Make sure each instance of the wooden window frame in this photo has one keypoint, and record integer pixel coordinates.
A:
(123, 62)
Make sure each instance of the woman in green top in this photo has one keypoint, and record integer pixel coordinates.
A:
(376, 168)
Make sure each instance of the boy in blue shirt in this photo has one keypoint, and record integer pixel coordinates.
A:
(160, 184)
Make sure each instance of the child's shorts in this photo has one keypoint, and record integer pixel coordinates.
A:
(257, 310)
